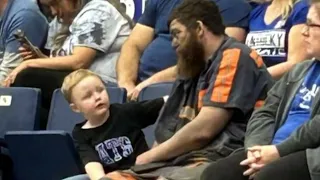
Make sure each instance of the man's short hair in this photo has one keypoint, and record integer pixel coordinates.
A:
(206, 11)
(73, 79)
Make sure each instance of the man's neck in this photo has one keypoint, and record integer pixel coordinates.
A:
(212, 45)
(3, 6)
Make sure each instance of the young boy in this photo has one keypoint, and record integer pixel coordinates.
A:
(110, 138)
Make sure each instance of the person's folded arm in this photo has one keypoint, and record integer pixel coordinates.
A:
(82, 57)
(195, 135)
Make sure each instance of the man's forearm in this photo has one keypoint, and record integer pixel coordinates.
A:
(127, 66)
(185, 140)
(196, 134)
(167, 75)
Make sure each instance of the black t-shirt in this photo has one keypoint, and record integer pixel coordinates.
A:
(117, 142)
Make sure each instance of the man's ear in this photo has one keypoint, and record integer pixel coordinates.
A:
(200, 29)
(74, 108)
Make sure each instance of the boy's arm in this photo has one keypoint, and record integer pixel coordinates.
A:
(88, 155)
(147, 111)
(94, 170)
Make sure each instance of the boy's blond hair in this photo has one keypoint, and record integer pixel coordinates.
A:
(73, 79)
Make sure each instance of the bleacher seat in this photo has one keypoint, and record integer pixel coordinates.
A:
(39, 155)
(152, 92)
(19, 109)
(61, 117)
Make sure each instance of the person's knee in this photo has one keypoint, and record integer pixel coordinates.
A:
(25, 76)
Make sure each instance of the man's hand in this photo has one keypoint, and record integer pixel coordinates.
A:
(144, 158)
(133, 95)
(129, 86)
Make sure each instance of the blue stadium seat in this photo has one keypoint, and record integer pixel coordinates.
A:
(152, 92)
(51, 154)
(19, 109)
(61, 117)
(39, 155)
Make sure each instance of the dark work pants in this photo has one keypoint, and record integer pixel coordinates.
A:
(291, 167)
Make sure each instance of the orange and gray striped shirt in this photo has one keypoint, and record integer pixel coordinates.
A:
(234, 78)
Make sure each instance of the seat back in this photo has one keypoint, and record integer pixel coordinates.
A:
(39, 155)
(152, 92)
(61, 117)
(19, 109)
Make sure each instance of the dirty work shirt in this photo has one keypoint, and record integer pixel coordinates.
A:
(235, 78)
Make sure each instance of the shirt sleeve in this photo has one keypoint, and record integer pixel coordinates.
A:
(147, 111)
(149, 15)
(97, 28)
(35, 28)
(86, 151)
(238, 82)
(299, 13)
(235, 13)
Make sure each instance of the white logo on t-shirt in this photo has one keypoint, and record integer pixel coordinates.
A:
(113, 150)
(308, 95)
(270, 43)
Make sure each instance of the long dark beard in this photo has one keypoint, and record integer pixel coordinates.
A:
(190, 57)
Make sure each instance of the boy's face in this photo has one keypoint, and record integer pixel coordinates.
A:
(90, 98)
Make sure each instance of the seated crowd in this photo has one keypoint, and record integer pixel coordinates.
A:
(244, 102)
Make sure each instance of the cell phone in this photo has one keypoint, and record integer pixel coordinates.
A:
(22, 38)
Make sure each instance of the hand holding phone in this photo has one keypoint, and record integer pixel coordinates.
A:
(21, 37)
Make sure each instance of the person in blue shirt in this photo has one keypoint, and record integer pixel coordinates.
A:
(147, 57)
(14, 15)
(274, 32)
(282, 141)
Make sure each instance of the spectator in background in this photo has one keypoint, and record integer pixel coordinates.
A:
(147, 56)
(91, 36)
(283, 137)
(220, 80)
(274, 32)
(14, 15)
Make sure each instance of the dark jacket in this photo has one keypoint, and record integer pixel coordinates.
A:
(268, 119)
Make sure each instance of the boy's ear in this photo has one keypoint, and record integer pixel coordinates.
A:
(74, 108)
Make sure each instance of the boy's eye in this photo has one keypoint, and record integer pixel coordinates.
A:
(100, 89)
(87, 95)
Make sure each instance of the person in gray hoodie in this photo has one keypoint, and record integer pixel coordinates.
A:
(283, 138)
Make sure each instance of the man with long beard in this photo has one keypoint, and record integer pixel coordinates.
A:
(220, 83)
